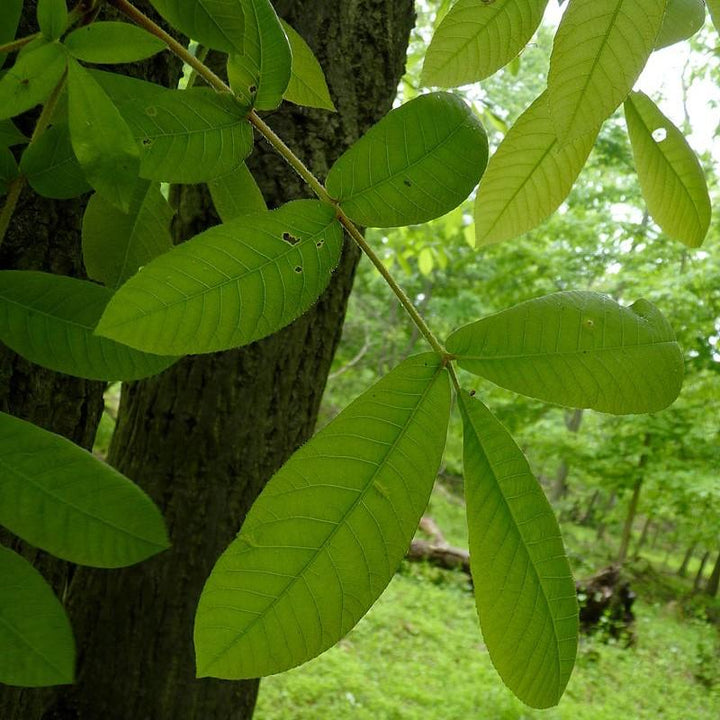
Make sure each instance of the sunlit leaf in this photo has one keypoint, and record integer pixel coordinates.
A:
(218, 24)
(10, 11)
(35, 636)
(599, 52)
(115, 244)
(524, 590)
(426, 261)
(52, 17)
(189, 136)
(50, 319)
(236, 193)
(307, 84)
(683, 18)
(671, 178)
(528, 177)
(419, 162)
(124, 90)
(101, 139)
(328, 531)
(713, 7)
(476, 38)
(261, 73)
(50, 165)
(578, 349)
(231, 285)
(112, 42)
(62, 499)
(31, 79)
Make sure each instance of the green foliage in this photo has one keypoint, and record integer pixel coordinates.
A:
(52, 18)
(236, 193)
(10, 135)
(328, 531)
(35, 634)
(9, 18)
(111, 42)
(8, 169)
(683, 18)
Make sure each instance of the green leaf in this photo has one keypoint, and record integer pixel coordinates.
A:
(62, 499)
(115, 244)
(52, 16)
(31, 79)
(672, 180)
(218, 24)
(261, 73)
(101, 139)
(426, 261)
(189, 136)
(713, 7)
(50, 319)
(35, 635)
(683, 18)
(327, 533)
(10, 135)
(524, 589)
(528, 177)
(578, 349)
(230, 285)
(419, 162)
(236, 193)
(124, 90)
(112, 42)
(10, 11)
(599, 52)
(476, 38)
(307, 84)
(8, 169)
(50, 165)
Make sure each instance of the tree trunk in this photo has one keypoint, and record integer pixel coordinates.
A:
(589, 517)
(701, 570)
(682, 570)
(560, 487)
(205, 436)
(643, 537)
(714, 581)
(632, 510)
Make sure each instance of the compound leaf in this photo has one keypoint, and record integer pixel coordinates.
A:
(578, 349)
(230, 285)
(524, 590)
(671, 178)
(112, 42)
(528, 177)
(476, 38)
(418, 163)
(116, 244)
(37, 644)
(50, 319)
(62, 499)
(599, 52)
(236, 193)
(327, 533)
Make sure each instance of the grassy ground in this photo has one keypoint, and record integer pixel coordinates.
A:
(419, 654)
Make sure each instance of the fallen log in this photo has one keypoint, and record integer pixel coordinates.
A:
(441, 555)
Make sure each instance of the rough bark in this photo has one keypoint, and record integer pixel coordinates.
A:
(204, 437)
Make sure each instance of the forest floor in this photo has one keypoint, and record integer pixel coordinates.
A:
(419, 654)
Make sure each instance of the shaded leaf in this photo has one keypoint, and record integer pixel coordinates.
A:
(683, 18)
(230, 285)
(52, 16)
(476, 38)
(112, 42)
(10, 135)
(528, 177)
(307, 84)
(419, 162)
(115, 244)
(236, 193)
(50, 165)
(50, 320)
(35, 636)
(31, 79)
(10, 11)
(62, 499)
(524, 589)
(672, 180)
(578, 349)
(599, 52)
(8, 169)
(327, 533)
(189, 136)
(101, 139)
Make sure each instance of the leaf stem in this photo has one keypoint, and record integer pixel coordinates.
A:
(18, 44)
(291, 158)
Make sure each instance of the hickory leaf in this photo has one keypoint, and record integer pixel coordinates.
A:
(672, 180)
(62, 499)
(524, 589)
(683, 18)
(419, 162)
(713, 7)
(528, 177)
(236, 193)
(599, 52)
(112, 42)
(327, 533)
(10, 135)
(35, 635)
(230, 285)
(116, 244)
(577, 349)
(49, 319)
(476, 38)
(52, 17)
(9, 18)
